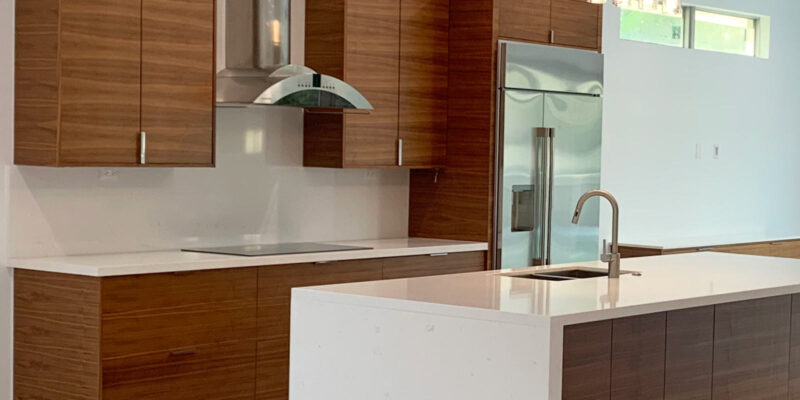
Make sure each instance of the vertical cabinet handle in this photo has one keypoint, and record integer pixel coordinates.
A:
(142, 147)
(552, 36)
(400, 152)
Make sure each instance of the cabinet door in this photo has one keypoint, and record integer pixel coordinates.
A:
(418, 266)
(275, 285)
(372, 52)
(178, 81)
(637, 357)
(423, 82)
(525, 19)
(576, 23)
(100, 82)
(751, 349)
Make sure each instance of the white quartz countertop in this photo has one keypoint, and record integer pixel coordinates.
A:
(101, 265)
(666, 283)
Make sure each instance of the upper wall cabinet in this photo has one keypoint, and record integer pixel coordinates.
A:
(571, 23)
(395, 54)
(114, 83)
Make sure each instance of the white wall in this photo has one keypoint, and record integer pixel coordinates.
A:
(660, 102)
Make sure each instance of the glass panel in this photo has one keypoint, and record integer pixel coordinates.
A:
(652, 27)
(725, 33)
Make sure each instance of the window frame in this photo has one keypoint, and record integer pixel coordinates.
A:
(690, 27)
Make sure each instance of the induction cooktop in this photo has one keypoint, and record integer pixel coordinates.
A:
(257, 250)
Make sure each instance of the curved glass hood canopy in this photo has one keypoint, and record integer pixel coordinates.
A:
(257, 69)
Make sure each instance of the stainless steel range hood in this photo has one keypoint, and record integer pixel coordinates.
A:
(257, 69)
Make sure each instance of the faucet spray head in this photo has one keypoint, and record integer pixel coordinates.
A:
(576, 217)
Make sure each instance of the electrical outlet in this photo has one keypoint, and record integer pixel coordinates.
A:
(716, 152)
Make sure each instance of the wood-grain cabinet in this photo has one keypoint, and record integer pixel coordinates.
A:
(396, 54)
(114, 83)
(219, 334)
(571, 23)
(744, 350)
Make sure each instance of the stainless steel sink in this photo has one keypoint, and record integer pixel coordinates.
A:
(564, 274)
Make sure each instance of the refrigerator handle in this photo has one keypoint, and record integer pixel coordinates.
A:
(548, 153)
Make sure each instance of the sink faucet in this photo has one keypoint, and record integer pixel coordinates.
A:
(611, 256)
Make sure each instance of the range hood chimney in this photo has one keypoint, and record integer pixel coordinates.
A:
(257, 69)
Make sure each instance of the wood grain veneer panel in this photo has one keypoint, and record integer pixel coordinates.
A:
(576, 23)
(587, 361)
(458, 205)
(524, 19)
(56, 336)
(275, 284)
(164, 312)
(418, 266)
(634, 251)
(36, 82)
(689, 354)
(751, 349)
(100, 81)
(273, 369)
(178, 81)
(424, 31)
(786, 249)
(224, 371)
(372, 62)
(794, 351)
(637, 357)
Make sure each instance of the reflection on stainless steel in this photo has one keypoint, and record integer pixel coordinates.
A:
(611, 256)
(552, 69)
(550, 142)
(257, 69)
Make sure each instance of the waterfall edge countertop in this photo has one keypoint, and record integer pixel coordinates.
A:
(666, 283)
(119, 264)
(485, 335)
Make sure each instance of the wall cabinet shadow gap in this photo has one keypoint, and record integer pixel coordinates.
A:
(395, 54)
(91, 75)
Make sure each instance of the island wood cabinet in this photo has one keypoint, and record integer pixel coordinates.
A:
(744, 351)
(572, 23)
(114, 83)
(395, 54)
(218, 334)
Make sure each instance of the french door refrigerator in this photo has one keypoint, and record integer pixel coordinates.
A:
(549, 137)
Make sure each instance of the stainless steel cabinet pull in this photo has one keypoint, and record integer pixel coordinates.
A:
(552, 36)
(142, 147)
(400, 152)
(706, 249)
(439, 254)
(325, 262)
(180, 353)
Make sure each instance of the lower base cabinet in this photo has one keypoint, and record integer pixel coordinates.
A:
(735, 351)
(218, 334)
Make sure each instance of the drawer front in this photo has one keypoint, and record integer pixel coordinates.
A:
(221, 371)
(153, 313)
(272, 369)
(418, 266)
(275, 284)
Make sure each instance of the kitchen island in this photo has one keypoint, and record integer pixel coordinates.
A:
(689, 326)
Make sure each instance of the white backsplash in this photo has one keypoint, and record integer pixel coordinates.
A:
(259, 193)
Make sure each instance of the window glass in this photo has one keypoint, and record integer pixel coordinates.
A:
(725, 33)
(651, 27)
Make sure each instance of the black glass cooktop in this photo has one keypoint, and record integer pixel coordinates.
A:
(256, 250)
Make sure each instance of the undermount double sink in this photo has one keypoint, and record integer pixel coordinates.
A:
(565, 274)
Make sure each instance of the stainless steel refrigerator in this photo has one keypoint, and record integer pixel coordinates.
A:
(549, 135)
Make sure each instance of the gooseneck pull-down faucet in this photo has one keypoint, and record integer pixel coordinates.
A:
(611, 256)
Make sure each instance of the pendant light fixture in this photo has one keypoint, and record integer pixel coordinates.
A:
(663, 6)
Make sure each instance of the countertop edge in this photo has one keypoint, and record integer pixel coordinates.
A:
(212, 262)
